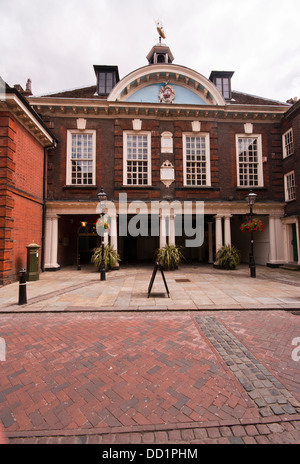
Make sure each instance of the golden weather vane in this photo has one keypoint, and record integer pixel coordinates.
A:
(160, 30)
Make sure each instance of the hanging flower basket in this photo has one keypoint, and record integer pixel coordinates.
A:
(256, 225)
(102, 226)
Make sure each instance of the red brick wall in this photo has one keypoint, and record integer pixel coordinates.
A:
(29, 159)
(27, 229)
(56, 182)
(21, 183)
(28, 196)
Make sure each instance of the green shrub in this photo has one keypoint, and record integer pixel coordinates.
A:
(169, 256)
(111, 257)
(228, 257)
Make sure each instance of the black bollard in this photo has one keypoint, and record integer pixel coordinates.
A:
(22, 287)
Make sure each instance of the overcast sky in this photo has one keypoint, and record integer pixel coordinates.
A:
(56, 43)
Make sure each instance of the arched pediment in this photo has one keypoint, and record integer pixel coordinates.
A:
(144, 84)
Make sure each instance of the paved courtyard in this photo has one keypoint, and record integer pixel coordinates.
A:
(100, 362)
(190, 287)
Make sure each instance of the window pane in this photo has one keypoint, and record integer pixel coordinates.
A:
(290, 187)
(137, 159)
(288, 143)
(82, 159)
(195, 150)
(248, 161)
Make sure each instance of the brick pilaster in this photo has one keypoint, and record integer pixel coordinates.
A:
(7, 168)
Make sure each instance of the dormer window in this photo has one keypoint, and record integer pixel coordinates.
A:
(223, 86)
(107, 78)
(106, 82)
(222, 80)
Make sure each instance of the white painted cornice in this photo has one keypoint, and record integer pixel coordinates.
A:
(10, 102)
(222, 208)
(93, 108)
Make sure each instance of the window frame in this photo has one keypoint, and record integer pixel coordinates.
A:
(224, 86)
(286, 145)
(125, 158)
(287, 188)
(206, 136)
(70, 134)
(108, 86)
(260, 177)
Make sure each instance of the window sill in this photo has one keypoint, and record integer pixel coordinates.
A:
(137, 187)
(251, 188)
(197, 187)
(80, 187)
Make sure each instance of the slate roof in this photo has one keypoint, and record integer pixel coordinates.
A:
(238, 98)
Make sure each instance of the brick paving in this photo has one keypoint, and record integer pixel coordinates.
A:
(124, 379)
(149, 377)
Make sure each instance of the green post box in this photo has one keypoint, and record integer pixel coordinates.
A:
(32, 262)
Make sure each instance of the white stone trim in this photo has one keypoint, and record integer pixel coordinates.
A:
(145, 72)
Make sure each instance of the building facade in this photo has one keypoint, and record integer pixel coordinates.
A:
(291, 175)
(169, 147)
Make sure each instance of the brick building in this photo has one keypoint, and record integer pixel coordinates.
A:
(24, 140)
(165, 133)
(290, 127)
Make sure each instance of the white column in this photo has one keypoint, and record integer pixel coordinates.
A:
(162, 231)
(219, 232)
(227, 229)
(51, 242)
(277, 238)
(272, 238)
(210, 244)
(286, 247)
(106, 241)
(172, 230)
(114, 233)
(114, 236)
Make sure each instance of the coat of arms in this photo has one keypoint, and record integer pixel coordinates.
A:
(166, 93)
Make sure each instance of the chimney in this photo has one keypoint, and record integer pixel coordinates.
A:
(28, 90)
(19, 88)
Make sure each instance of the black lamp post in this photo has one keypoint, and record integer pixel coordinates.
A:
(102, 200)
(251, 198)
